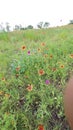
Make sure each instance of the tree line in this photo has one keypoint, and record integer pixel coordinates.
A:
(40, 25)
(7, 27)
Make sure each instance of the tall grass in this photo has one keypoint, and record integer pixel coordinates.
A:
(35, 66)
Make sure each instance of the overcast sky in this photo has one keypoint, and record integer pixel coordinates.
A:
(33, 11)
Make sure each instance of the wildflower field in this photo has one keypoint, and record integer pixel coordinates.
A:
(35, 66)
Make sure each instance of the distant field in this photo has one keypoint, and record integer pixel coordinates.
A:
(35, 66)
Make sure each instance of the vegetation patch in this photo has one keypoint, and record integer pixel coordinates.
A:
(35, 67)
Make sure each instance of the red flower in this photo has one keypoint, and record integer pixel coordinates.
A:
(40, 127)
(30, 87)
(18, 68)
(41, 72)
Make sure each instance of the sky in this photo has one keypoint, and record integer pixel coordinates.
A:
(31, 12)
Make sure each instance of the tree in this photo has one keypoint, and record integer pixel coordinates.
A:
(20, 27)
(2, 29)
(23, 28)
(71, 22)
(17, 27)
(40, 25)
(29, 27)
(7, 27)
(46, 25)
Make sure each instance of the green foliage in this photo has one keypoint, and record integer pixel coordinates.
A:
(40, 25)
(34, 70)
(7, 27)
(4, 36)
(17, 27)
(29, 27)
(34, 36)
(71, 22)
(46, 25)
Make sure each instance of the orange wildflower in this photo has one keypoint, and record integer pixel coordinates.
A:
(3, 79)
(23, 47)
(43, 44)
(17, 75)
(30, 87)
(18, 68)
(40, 127)
(71, 55)
(51, 56)
(41, 72)
(61, 66)
(53, 69)
(39, 49)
